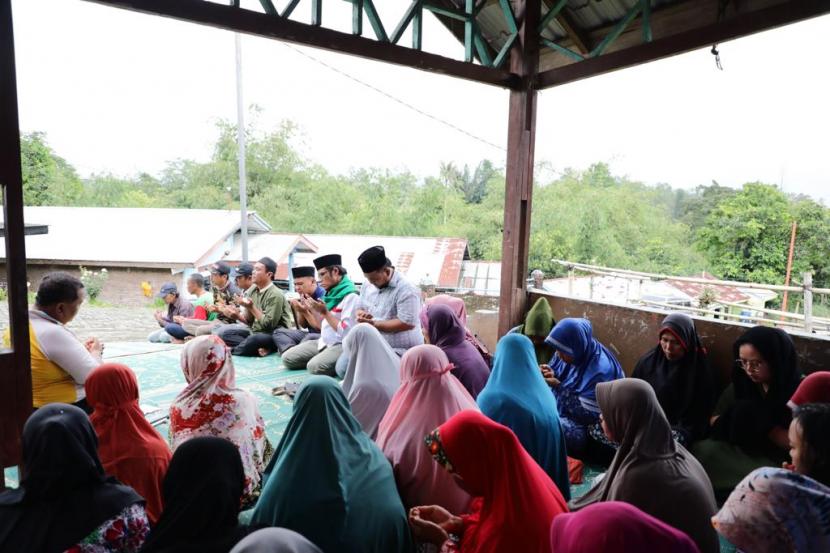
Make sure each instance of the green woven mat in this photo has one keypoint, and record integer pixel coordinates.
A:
(160, 379)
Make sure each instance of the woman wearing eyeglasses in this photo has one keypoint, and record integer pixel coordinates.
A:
(749, 427)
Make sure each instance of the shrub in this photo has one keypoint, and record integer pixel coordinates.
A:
(94, 281)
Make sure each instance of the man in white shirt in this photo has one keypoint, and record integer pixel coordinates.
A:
(336, 313)
(60, 362)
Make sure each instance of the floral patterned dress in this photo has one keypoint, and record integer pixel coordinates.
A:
(125, 533)
(212, 405)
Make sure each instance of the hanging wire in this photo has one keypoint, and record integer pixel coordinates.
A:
(722, 4)
(544, 165)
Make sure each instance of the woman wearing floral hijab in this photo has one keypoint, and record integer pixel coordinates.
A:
(212, 405)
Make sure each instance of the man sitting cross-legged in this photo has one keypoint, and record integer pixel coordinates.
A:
(202, 298)
(308, 327)
(224, 290)
(265, 309)
(336, 313)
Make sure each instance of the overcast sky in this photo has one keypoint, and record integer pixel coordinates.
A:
(123, 92)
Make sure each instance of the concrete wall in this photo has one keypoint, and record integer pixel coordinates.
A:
(631, 331)
(123, 287)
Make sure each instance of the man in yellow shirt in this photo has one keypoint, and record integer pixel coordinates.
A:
(60, 362)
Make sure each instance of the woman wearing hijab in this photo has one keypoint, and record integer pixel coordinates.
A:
(202, 493)
(580, 363)
(779, 510)
(447, 332)
(749, 428)
(514, 500)
(679, 372)
(516, 396)
(129, 446)
(616, 526)
(212, 405)
(651, 470)
(460, 309)
(65, 501)
(429, 395)
(372, 376)
(815, 388)
(538, 324)
(329, 481)
(275, 540)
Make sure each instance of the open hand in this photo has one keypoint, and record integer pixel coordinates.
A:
(430, 523)
(316, 305)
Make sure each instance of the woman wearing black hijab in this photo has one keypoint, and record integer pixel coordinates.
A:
(749, 427)
(64, 498)
(679, 372)
(202, 493)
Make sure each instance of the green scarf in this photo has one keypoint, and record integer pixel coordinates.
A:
(334, 296)
(539, 320)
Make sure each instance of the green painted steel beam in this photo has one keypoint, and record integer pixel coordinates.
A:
(509, 16)
(357, 17)
(413, 9)
(469, 30)
(505, 50)
(290, 8)
(267, 5)
(417, 30)
(446, 12)
(617, 30)
(562, 50)
(647, 37)
(317, 12)
(374, 20)
(481, 47)
(552, 12)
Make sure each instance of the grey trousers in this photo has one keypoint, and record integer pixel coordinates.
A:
(287, 338)
(307, 356)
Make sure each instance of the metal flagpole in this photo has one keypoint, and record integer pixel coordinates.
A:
(240, 148)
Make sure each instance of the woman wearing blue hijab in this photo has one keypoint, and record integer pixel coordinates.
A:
(580, 363)
(516, 396)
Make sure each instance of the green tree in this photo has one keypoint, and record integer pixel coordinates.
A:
(47, 178)
(747, 235)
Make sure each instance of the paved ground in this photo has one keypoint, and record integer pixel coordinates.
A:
(109, 324)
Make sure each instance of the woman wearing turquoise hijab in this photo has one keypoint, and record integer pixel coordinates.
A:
(517, 396)
(329, 482)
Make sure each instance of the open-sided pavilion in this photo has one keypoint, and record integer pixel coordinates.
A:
(522, 45)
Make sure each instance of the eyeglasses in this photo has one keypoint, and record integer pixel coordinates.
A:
(322, 273)
(750, 364)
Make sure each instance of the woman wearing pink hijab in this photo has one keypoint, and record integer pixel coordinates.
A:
(429, 395)
(615, 526)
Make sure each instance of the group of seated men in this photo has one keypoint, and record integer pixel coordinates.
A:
(248, 312)
(254, 317)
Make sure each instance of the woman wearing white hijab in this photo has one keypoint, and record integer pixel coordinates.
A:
(372, 377)
(275, 540)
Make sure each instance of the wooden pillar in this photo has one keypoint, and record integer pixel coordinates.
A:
(15, 373)
(521, 145)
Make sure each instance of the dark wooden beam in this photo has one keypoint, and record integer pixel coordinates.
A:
(739, 25)
(521, 147)
(15, 372)
(268, 26)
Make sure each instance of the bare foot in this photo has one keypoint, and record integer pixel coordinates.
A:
(263, 352)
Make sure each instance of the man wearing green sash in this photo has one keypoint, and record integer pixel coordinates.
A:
(336, 313)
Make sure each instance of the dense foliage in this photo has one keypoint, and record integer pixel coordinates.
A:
(588, 216)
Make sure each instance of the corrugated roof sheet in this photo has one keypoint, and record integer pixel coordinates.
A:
(132, 236)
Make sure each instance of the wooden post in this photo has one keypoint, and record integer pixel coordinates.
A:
(808, 302)
(521, 145)
(15, 372)
(570, 282)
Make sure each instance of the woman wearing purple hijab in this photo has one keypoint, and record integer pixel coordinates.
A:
(446, 331)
